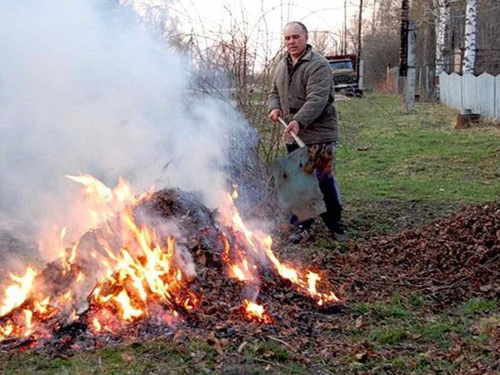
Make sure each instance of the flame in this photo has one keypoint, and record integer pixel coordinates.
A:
(17, 293)
(97, 326)
(74, 315)
(140, 277)
(138, 271)
(238, 273)
(256, 312)
(307, 284)
(242, 271)
(62, 235)
(28, 322)
(94, 188)
(67, 296)
(67, 261)
(102, 202)
(128, 312)
(42, 307)
(262, 246)
(80, 278)
(6, 330)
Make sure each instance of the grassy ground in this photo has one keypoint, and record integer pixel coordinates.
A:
(395, 171)
(399, 336)
(398, 171)
(384, 155)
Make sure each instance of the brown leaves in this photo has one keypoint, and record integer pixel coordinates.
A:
(242, 346)
(452, 260)
(216, 343)
(360, 323)
(128, 358)
(363, 351)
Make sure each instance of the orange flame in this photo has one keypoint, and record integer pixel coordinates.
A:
(128, 312)
(17, 293)
(262, 245)
(139, 269)
(97, 326)
(256, 312)
(28, 322)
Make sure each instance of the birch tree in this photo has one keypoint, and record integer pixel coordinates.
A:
(442, 25)
(470, 37)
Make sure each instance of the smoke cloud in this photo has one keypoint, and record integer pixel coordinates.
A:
(85, 88)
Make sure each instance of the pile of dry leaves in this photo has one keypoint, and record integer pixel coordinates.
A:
(452, 260)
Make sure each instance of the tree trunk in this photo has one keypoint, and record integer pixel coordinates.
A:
(442, 23)
(470, 37)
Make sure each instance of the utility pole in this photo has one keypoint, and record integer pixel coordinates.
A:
(407, 64)
(345, 28)
(360, 21)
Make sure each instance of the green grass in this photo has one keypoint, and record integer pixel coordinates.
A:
(152, 357)
(382, 310)
(158, 357)
(384, 154)
(479, 305)
(406, 338)
(402, 337)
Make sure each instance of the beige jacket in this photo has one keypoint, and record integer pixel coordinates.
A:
(306, 95)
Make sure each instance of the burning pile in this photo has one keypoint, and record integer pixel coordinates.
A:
(145, 265)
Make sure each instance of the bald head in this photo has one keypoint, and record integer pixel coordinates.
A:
(300, 25)
(295, 35)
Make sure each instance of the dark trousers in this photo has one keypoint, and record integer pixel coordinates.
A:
(328, 186)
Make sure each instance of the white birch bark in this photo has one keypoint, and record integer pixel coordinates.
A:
(470, 37)
(442, 22)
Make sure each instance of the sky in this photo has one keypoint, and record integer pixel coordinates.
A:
(263, 19)
(315, 14)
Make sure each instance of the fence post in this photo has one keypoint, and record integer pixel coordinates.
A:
(411, 75)
(361, 82)
(497, 97)
(428, 93)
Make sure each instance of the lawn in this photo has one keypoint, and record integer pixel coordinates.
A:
(397, 336)
(395, 172)
(384, 155)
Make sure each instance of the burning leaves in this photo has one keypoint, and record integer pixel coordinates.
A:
(259, 248)
(17, 293)
(135, 267)
(256, 312)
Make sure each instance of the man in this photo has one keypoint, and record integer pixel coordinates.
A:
(303, 96)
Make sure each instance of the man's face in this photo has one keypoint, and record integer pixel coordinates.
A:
(295, 40)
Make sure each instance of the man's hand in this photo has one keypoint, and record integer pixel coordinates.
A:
(275, 114)
(293, 126)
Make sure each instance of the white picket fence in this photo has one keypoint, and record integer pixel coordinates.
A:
(480, 94)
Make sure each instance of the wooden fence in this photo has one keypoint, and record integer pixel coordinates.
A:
(481, 94)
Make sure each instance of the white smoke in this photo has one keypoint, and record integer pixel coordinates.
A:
(87, 89)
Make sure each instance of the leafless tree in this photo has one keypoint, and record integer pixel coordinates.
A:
(324, 42)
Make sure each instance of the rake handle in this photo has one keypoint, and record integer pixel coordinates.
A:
(292, 133)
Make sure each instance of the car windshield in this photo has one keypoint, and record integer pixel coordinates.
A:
(336, 65)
